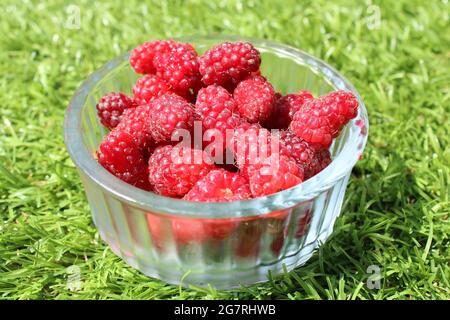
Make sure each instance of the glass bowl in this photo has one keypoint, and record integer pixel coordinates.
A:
(164, 237)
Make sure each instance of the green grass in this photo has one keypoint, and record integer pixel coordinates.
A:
(396, 211)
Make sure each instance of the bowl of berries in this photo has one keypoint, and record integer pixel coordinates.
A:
(215, 160)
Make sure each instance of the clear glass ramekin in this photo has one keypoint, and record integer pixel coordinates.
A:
(269, 233)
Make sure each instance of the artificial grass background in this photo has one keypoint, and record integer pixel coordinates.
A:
(397, 205)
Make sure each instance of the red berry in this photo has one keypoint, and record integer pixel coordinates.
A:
(320, 160)
(251, 144)
(214, 102)
(184, 230)
(311, 159)
(215, 107)
(312, 126)
(169, 113)
(339, 107)
(321, 119)
(179, 68)
(219, 229)
(200, 230)
(299, 149)
(119, 155)
(111, 107)
(173, 171)
(228, 63)
(187, 230)
(148, 88)
(136, 122)
(285, 107)
(255, 98)
(141, 58)
(274, 174)
(219, 186)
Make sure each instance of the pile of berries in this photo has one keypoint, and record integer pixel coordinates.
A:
(222, 90)
(223, 93)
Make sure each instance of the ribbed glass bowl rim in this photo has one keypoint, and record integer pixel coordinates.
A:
(339, 167)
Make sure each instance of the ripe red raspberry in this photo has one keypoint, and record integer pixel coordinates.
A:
(148, 88)
(173, 171)
(179, 68)
(255, 98)
(340, 107)
(313, 160)
(119, 155)
(111, 107)
(312, 125)
(251, 144)
(136, 122)
(299, 149)
(213, 101)
(219, 186)
(228, 63)
(141, 58)
(285, 107)
(273, 174)
(323, 118)
(320, 160)
(169, 113)
(215, 108)
(188, 230)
